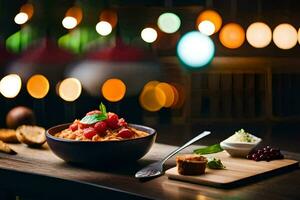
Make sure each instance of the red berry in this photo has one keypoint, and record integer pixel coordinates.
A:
(125, 133)
(93, 112)
(89, 132)
(112, 121)
(73, 127)
(100, 127)
(122, 122)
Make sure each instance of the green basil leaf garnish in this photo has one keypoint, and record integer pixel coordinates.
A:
(208, 150)
(92, 119)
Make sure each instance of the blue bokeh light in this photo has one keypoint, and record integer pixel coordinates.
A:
(195, 49)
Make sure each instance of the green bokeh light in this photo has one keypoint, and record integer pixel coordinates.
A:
(168, 22)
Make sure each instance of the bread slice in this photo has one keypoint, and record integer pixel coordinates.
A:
(5, 148)
(31, 135)
(191, 164)
(8, 135)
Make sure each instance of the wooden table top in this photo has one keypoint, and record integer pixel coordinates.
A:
(38, 172)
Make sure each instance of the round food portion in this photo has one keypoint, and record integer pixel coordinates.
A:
(191, 164)
(31, 135)
(8, 135)
(19, 116)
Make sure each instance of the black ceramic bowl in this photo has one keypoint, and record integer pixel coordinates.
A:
(100, 153)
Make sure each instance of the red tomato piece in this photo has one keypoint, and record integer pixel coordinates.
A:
(112, 121)
(100, 127)
(122, 122)
(73, 127)
(93, 112)
(89, 132)
(125, 133)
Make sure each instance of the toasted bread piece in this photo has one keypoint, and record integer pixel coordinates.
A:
(190, 164)
(5, 148)
(8, 135)
(31, 135)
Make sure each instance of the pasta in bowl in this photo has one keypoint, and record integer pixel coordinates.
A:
(88, 143)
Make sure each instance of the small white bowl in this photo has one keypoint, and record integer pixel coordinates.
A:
(239, 149)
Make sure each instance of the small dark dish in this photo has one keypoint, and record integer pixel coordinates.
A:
(100, 153)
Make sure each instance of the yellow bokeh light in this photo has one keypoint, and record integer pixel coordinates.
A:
(232, 36)
(10, 85)
(38, 86)
(70, 89)
(69, 22)
(206, 27)
(259, 35)
(152, 98)
(149, 35)
(113, 90)
(299, 35)
(21, 18)
(169, 93)
(285, 36)
(103, 28)
(212, 16)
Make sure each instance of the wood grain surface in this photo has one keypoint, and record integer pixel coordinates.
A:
(237, 169)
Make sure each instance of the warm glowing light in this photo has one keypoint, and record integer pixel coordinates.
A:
(109, 16)
(195, 49)
(113, 90)
(149, 35)
(169, 93)
(232, 35)
(21, 18)
(28, 9)
(259, 35)
(285, 36)
(299, 35)
(152, 98)
(38, 86)
(103, 28)
(69, 22)
(75, 12)
(168, 22)
(69, 89)
(212, 16)
(206, 27)
(10, 85)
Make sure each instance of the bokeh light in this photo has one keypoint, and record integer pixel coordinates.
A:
(28, 9)
(206, 27)
(169, 93)
(299, 35)
(69, 89)
(168, 22)
(149, 35)
(21, 18)
(109, 16)
(113, 89)
(69, 22)
(103, 28)
(75, 12)
(285, 36)
(10, 85)
(232, 36)
(152, 98)
(195, 49)
(38, 86)
(259, 35)
(212, 16)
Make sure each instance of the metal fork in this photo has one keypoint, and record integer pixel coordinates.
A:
(156, 169)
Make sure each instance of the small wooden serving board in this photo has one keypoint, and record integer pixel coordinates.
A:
(237, 170)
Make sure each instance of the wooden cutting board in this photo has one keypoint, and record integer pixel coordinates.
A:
(238, 170)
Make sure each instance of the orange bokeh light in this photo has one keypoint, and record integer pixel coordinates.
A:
(38, 86)
(109, 16)
(113, 89)
(232, 36)
(169, 93)
(212, 16)
(75, 12)
(28, 9)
